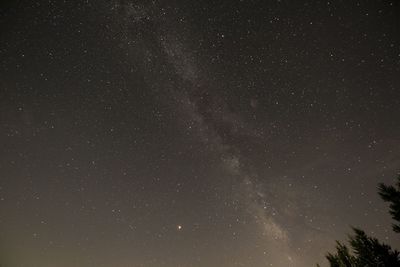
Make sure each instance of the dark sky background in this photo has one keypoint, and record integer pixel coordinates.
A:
(195, 133)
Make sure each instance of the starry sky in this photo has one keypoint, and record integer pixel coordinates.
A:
(195, 133)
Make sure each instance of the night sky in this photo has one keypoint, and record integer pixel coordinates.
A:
(195, 133)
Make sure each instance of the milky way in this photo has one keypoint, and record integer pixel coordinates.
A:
(237, 133)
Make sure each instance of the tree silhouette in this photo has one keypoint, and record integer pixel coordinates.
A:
(367, 251)
(342, 256)
(392, 195)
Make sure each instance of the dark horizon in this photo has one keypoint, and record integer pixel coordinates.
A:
(195, 134)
